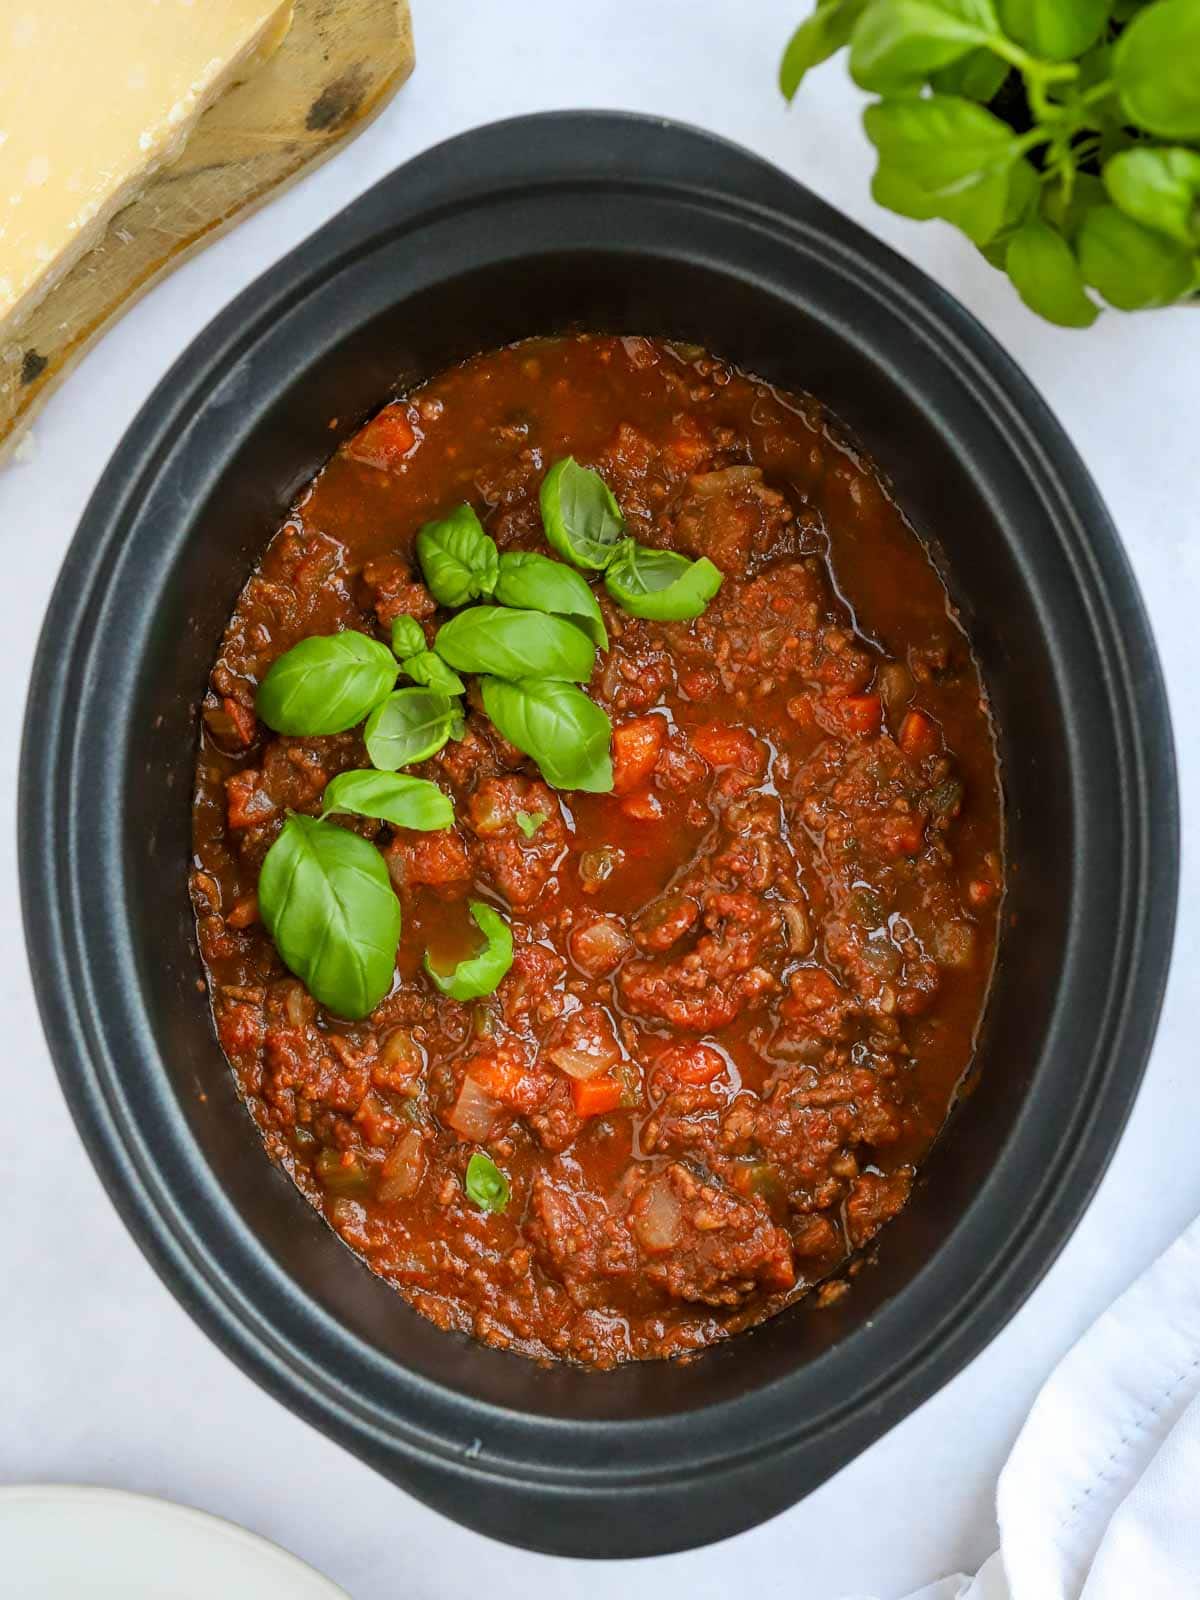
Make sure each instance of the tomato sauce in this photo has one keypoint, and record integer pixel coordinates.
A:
(746, 983)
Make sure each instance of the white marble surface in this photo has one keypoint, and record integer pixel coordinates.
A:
(103, 1378)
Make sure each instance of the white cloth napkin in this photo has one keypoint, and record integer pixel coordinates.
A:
(1100, 1498)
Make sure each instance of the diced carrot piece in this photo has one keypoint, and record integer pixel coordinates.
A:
(981, 891)
(724, 746)
(636, 747)
(242, 718)
(247, 804)
(500, 1076)
(594, 1097)
(691, 1063)
(244, 913)
(643, 807)
(387, 439)
(861, 714)
(918, 735)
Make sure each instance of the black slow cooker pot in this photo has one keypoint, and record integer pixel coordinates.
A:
(627, 224)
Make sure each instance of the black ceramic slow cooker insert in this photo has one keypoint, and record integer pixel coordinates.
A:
(628, 225)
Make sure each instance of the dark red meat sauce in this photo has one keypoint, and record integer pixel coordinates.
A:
(779, 928)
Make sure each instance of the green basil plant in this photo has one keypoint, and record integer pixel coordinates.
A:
(1061, 136)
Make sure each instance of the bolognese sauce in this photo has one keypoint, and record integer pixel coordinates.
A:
(745, 981)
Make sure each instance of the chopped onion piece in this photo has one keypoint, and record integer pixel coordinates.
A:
(474, 1112)
(583, 1064)
(401, 1174)
(659, 1216)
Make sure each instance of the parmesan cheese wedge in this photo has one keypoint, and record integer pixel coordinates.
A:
(95, 95)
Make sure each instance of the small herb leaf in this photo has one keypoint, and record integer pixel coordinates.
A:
(582, 520)
(408, 637)
(536, 583)
(660, 584)
(530, 821)
(325, 684)
(1047, 276)
(817, 38)
(898, 43)
(392, 797)
(431, 671)
(976, 76)
(952, 153)
(486, 1185)
(568, 735)
(515, 644)
(409, 726)
(1156, 72)
(328, 903)
(458, 559)
(1132, 267)
(478, 974)
(1056, 29)
(1158, 188)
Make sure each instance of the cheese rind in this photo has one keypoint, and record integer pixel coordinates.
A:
(95, 95)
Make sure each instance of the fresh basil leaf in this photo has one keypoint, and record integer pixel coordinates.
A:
(408, 637)
(893, 189)
(951, 153)
(458, 559)
(537, 583)
(479, 974)
(1024, 192)
(325, 684)
(1156, 65)
(1047, 276)
(898, 43)
(403, 801)
(582, 520)
(485, 1184)
(328, 903)
(430, 670)
(409, 726)
(568, 735)
(1060, 30)
(817, 38)
(1158, 188)
(1067, 213)
(1132, 267)
(660, 584)
(530, 821)
(515, 644)
(976, 76)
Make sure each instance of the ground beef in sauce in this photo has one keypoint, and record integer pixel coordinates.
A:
(775, 935)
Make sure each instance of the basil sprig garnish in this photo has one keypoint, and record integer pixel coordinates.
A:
(408, 637)
(325, 684)
(431, 672)
(568, 735)
(325, 893)
(515, 644)
(410, 726)
(485, 1184)
(659, 584)
(458, 559)
(583, 521)
(537, 583)
(391, 797)
(328, 903)
(478, 974)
